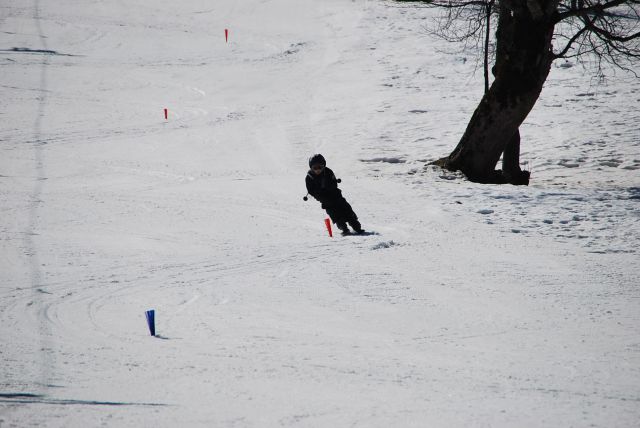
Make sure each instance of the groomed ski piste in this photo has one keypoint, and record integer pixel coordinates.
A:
(471, 305)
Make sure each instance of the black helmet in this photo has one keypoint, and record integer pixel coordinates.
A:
(317, 159)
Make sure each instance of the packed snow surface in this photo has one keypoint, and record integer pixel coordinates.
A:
(467, 305)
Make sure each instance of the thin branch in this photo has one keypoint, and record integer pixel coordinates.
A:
(610, 36)
(570, 43)
(598, 8)
(451, 4)
(486, 46)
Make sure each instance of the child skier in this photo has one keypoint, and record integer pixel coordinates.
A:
(323, 185)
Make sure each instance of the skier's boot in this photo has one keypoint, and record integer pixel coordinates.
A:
(343, 227)
(357, 227)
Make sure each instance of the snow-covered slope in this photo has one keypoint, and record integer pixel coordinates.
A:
(470, 305)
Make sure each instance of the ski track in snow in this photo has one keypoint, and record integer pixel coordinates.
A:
(467, 305)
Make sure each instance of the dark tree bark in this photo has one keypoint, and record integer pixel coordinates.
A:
(523, 61)
(511, 171)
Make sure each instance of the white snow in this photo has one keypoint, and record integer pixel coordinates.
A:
(470, 305)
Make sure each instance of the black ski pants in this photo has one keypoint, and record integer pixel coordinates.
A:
(341, 213)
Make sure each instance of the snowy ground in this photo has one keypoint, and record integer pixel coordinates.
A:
(472, 305)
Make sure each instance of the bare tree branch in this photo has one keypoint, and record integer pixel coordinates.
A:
(571, 41)
(607, 30)
(598, 8)
(450, 4)
(610, 35)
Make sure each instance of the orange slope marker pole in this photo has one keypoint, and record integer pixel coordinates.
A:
(327, 222)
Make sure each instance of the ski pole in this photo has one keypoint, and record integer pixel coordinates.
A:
(305, 197)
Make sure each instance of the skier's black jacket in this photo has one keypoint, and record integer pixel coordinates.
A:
(324, 187)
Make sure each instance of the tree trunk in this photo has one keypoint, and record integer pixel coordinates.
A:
(511, 171)
(523, 62)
